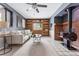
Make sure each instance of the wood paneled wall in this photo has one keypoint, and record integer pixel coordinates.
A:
(61, 25)
(58, 27)
(44, 22)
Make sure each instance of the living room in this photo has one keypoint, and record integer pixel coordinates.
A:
(29, 29)
(15, 29)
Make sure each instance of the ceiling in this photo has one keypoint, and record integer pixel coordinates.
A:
(44, 12)
(63, 11)
(1, 6)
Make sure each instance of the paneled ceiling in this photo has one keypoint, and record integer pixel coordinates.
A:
(31, 13)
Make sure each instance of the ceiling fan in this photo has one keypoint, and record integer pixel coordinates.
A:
(35, 6)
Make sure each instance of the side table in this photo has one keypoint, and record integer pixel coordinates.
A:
(5, 43)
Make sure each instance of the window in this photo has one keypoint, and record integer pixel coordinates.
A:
(6, 16)
(2, 13)
(0, 17)
(23, 23)
(37, 26)
(9, 17)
